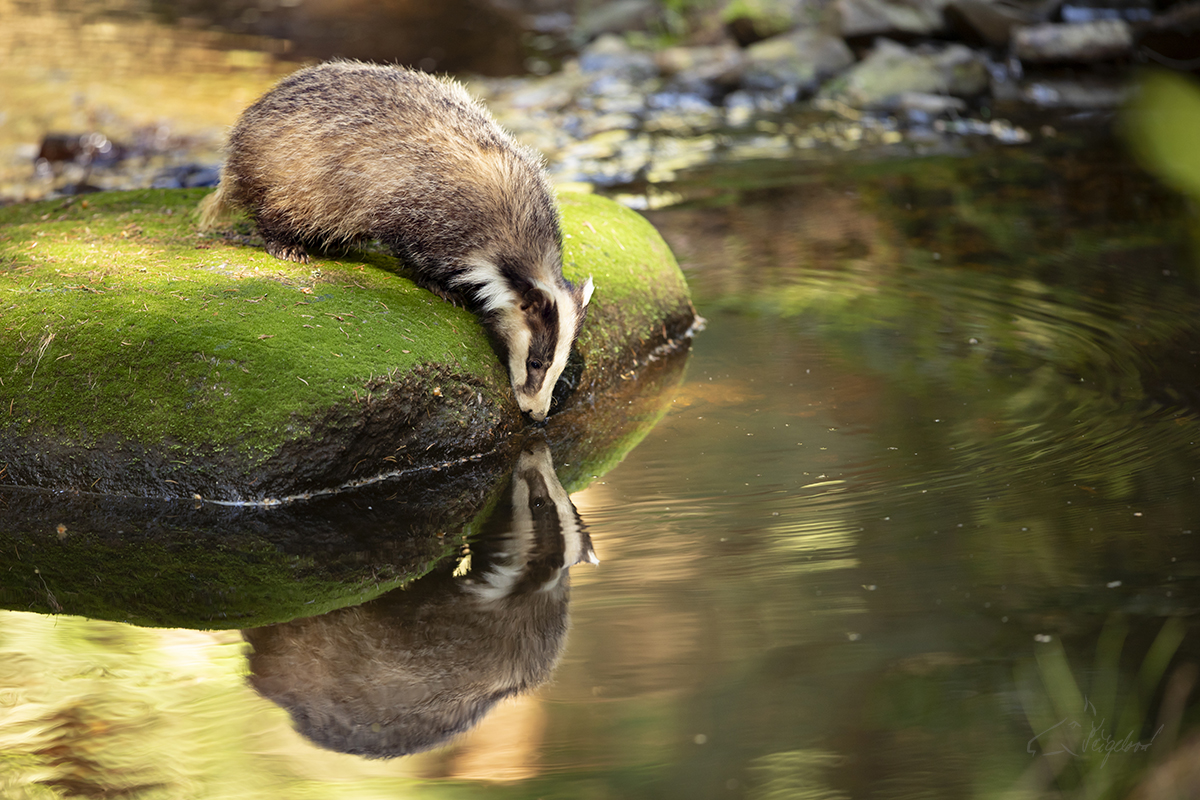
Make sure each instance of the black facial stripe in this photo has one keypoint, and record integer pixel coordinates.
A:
(513, 274)
(541, 504)
(550, 317)
(541, 347)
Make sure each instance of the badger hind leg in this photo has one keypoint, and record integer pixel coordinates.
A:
(282, 244)
(287, 251)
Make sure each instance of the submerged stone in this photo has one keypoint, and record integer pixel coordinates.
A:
(1100, 40)
(801, 59)
(892, 69)
(141, 359)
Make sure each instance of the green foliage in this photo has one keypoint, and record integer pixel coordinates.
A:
(1098, 732)
(1162, 126)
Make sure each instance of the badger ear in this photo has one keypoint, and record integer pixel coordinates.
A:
(586, 291)
(535, 299)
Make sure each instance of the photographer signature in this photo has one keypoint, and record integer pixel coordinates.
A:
(1098, 740)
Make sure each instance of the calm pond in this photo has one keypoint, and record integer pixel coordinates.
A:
(919, 521)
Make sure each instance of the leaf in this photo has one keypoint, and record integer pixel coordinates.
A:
(1162, 126)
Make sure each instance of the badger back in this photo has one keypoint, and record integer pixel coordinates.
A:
(345, 151)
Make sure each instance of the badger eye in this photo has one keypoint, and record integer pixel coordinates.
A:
(535, 364)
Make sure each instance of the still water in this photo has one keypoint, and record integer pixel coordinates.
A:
(919, 521)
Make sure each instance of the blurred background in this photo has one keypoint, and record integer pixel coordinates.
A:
(618, 95)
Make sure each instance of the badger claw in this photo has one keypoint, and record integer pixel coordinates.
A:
(288, 252)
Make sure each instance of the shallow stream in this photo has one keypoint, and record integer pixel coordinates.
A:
(920, 520)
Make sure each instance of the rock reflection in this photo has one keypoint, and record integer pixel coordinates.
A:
(405, 672)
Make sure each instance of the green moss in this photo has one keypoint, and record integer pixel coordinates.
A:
(638, 282)
(118, 318)
(187, 584)
(124, 330)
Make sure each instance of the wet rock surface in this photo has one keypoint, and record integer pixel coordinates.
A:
(881, 17)
(891, 70)
(1102, 40)
(801, 60)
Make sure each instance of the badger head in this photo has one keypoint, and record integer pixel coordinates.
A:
(534, 316)
(538, 330)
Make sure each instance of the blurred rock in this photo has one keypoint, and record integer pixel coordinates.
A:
(991, 22)
(620, 16)
(189, 176)
(1128, 10)
(1076, 94)
(612, 55)
(86, 149)
(892, 69)
(1085, 42)
(708, 72)
(890, 17)
(801, 59)
(750, 21)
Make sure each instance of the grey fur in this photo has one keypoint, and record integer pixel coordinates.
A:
(345, 151)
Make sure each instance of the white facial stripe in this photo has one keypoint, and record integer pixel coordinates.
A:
(493, 291)
(494, 295)
(568, 320)
(518, 353)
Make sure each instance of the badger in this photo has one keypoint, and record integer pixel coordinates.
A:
(407, 671)
(345, 151)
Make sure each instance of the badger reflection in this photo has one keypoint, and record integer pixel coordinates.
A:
(407, 671)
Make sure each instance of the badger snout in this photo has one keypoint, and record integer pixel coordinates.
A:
(535, 414)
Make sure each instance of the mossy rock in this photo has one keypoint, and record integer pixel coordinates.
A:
(140, 358)
(196, 564)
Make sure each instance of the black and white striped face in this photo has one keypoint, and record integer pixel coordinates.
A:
(536, 315)
(543, 330)
(545, 537)
(539, 334)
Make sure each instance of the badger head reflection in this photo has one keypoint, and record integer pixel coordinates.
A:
(408, 670)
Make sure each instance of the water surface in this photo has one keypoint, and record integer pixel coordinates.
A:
(920, 522)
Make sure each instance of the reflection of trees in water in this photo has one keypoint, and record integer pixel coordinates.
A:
(408, 670)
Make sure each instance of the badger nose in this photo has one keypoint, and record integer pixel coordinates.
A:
(537, 416)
